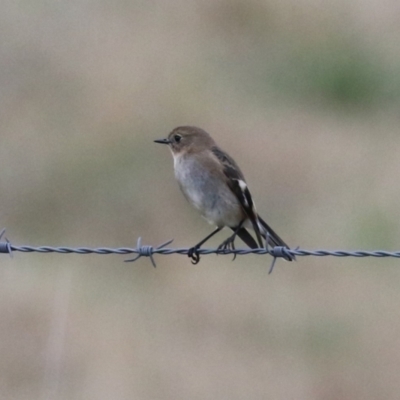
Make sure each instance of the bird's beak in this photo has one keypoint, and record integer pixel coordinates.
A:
(163, 141)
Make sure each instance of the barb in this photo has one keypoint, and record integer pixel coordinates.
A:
(148, 251)
(5, 247)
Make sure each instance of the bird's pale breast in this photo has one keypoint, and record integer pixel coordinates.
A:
(206, 189)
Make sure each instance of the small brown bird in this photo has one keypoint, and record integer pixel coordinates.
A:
(213, 183)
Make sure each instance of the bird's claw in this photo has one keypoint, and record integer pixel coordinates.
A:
(193, 253)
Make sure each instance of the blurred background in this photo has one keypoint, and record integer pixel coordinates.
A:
(304, 94)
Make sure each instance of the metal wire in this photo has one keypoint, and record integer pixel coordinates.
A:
(149, 251)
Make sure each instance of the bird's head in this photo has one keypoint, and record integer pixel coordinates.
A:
(187, 139)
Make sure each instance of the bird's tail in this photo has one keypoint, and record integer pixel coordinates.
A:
(273, 238)
(247, 238)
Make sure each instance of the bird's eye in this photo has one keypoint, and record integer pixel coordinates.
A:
(177, 138)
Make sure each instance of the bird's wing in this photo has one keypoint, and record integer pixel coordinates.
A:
(237, 184)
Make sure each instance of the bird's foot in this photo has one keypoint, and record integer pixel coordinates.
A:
(228, 244)
(193, 253)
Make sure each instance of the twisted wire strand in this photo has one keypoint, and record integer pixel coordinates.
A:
(148, 251)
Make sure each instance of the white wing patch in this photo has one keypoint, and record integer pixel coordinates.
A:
(242, 185)
(246, 197)
(243, 189)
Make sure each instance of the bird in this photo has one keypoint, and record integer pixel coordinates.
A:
(213, 183)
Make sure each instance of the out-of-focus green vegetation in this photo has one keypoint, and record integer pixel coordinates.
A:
(304, 94)
(337, 74)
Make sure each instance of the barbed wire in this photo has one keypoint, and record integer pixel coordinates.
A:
(149, 251)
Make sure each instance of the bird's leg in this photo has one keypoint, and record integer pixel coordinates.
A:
(193, 251)
(230, 242)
